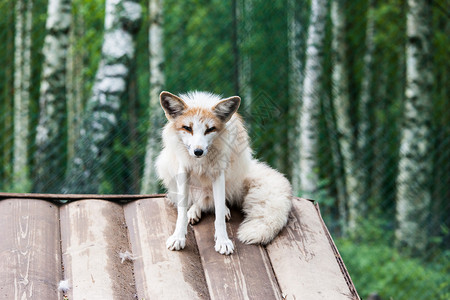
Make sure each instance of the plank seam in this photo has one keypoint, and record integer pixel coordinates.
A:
(63, 275)
(194, 234)
(273, 270)
(130, 247)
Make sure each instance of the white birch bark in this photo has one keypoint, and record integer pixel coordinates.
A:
(413, 181)
(22, 77)
(122, 20)
(149, 182)
(310, 109)
(51, 130)
(344, 156)
(244, 21)
(75, 79)
(19, 155)
(296, 46)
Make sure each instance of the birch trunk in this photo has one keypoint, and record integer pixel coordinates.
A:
(413, 181)
(22, 77)
(122, 18)
(75, 79)
(360, 188)
(50, 155)
(149, 183)
(244, 23)
(310, 109)
(296, 16)
(344, 156)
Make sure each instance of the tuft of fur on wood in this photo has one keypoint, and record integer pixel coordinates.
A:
(64, 286)
(126, 256)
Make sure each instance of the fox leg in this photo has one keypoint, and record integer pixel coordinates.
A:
(223, 244)
(177, 240)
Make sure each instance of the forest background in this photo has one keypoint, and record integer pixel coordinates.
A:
(349, 99)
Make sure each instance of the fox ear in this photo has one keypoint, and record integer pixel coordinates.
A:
(172, 105)
(225, 109)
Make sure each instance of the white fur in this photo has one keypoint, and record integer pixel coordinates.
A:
(226, 171)
(64, 286)
(126, 256)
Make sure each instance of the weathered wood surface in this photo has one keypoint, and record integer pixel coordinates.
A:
(113, 197)
(30, 260)
(93, 233)
(160, 273)
(303, 259)
(88, 235)
(246, 274)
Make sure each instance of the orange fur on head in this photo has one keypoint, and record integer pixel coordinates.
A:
(203, 114)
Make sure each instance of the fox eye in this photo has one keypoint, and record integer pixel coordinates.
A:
(187, 128)
(210, 129)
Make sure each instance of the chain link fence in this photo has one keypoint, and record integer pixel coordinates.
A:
(203, 46)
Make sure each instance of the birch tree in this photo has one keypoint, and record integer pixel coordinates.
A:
(50, 141)
(244, 23)
(122, 19)
(75, 79)
(364, 157)
(415, 165)
(310, 109)
(296, 15)
(22, 77)
(341, 104)
(150, 180)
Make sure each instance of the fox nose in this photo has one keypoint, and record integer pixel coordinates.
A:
(198, 152)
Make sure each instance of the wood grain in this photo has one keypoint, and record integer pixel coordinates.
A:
(301, 263)
(159, 272)
(246, 274)
(30, 261)
(93, 234)
(338, 257)
(71, 197)
(303, 259)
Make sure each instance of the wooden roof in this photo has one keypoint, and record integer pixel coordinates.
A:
(42, 243)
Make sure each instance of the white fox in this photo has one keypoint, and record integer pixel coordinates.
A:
(206, 161)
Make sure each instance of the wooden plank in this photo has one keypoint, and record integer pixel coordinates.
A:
(338, 257)
(77, 196)
(303, 259)
(159, 272)
(93, 233)
(246, 274)
(30, 257)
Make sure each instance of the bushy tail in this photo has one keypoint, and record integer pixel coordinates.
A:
(266, 205)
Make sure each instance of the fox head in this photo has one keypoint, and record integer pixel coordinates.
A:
(199, 121)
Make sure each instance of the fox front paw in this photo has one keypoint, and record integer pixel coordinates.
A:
(194, 214)
(224, 246)
(227, 213)
(175, 242)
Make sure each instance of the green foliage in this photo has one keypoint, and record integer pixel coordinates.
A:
(375, 265)
(88, 20)
(198, 46)
(22, 185)
(379, 267)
